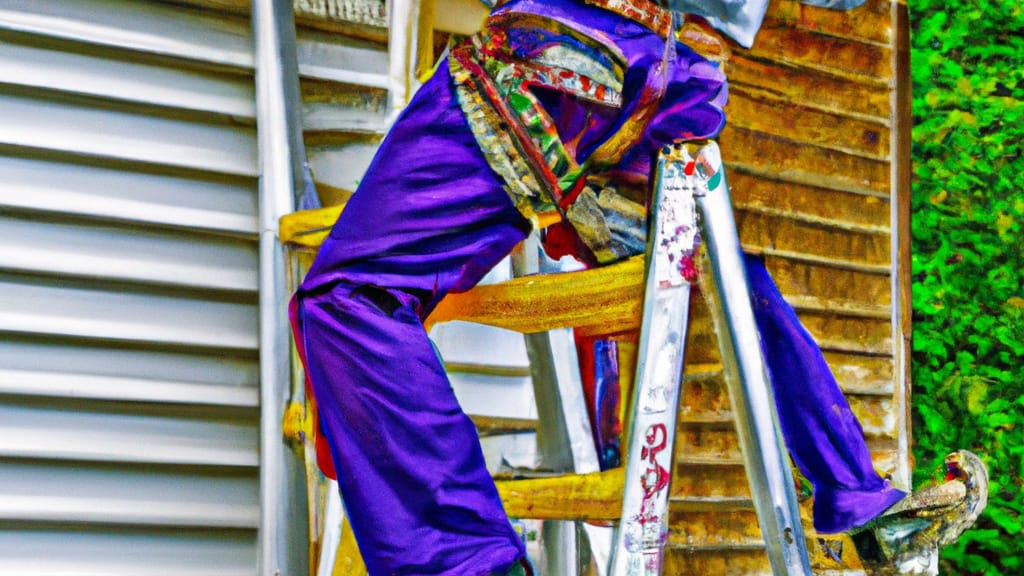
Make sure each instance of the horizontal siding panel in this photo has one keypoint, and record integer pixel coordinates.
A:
(477, 393)
(734, 529)
(48, 309)
(347, 60)
(109, 551)
(106, 361)
(786, 84)
(146, 27)
(103, 133)
(869, 23)
(838, 308)
(335, 107)
(836, 333)
(698, 478)
(724, 454)
(116, 77)
(815, 260)
(87, 386)
(859, 374)
(127, 254)
(717, 445)
(107, 433)
(833, 286)
(790, 236)
(705, 400)
(681, 560)
(707, 442)
(709, 482)
(34, 492)
(712, 503)
(70, 189)
(870, 63)
(782, 159)
(807, 126)
(824, 325)
(193, 35)
(877, 415)
(843, 210)
(711, 549)
(325, 117)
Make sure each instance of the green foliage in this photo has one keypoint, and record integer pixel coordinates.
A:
(968, 262)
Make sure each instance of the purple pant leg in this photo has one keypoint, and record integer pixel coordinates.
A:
(429, 217)
(821, 432)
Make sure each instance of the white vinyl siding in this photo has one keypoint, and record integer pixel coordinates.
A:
(129, 341)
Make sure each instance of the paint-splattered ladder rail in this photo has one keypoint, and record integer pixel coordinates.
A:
(690, 179)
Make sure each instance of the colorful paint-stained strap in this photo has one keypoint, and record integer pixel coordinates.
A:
(514, 78)
(495, 93)
(531, 197)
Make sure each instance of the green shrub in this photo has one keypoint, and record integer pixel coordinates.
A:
(968, 263)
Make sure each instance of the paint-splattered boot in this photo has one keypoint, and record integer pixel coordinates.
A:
(906, 539)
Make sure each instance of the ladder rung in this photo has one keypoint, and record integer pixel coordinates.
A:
(596, 496)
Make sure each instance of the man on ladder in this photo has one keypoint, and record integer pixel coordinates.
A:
(555, 112)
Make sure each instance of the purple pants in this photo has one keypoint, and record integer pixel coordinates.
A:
(431, 217)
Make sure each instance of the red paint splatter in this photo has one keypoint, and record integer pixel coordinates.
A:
(688, 268)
